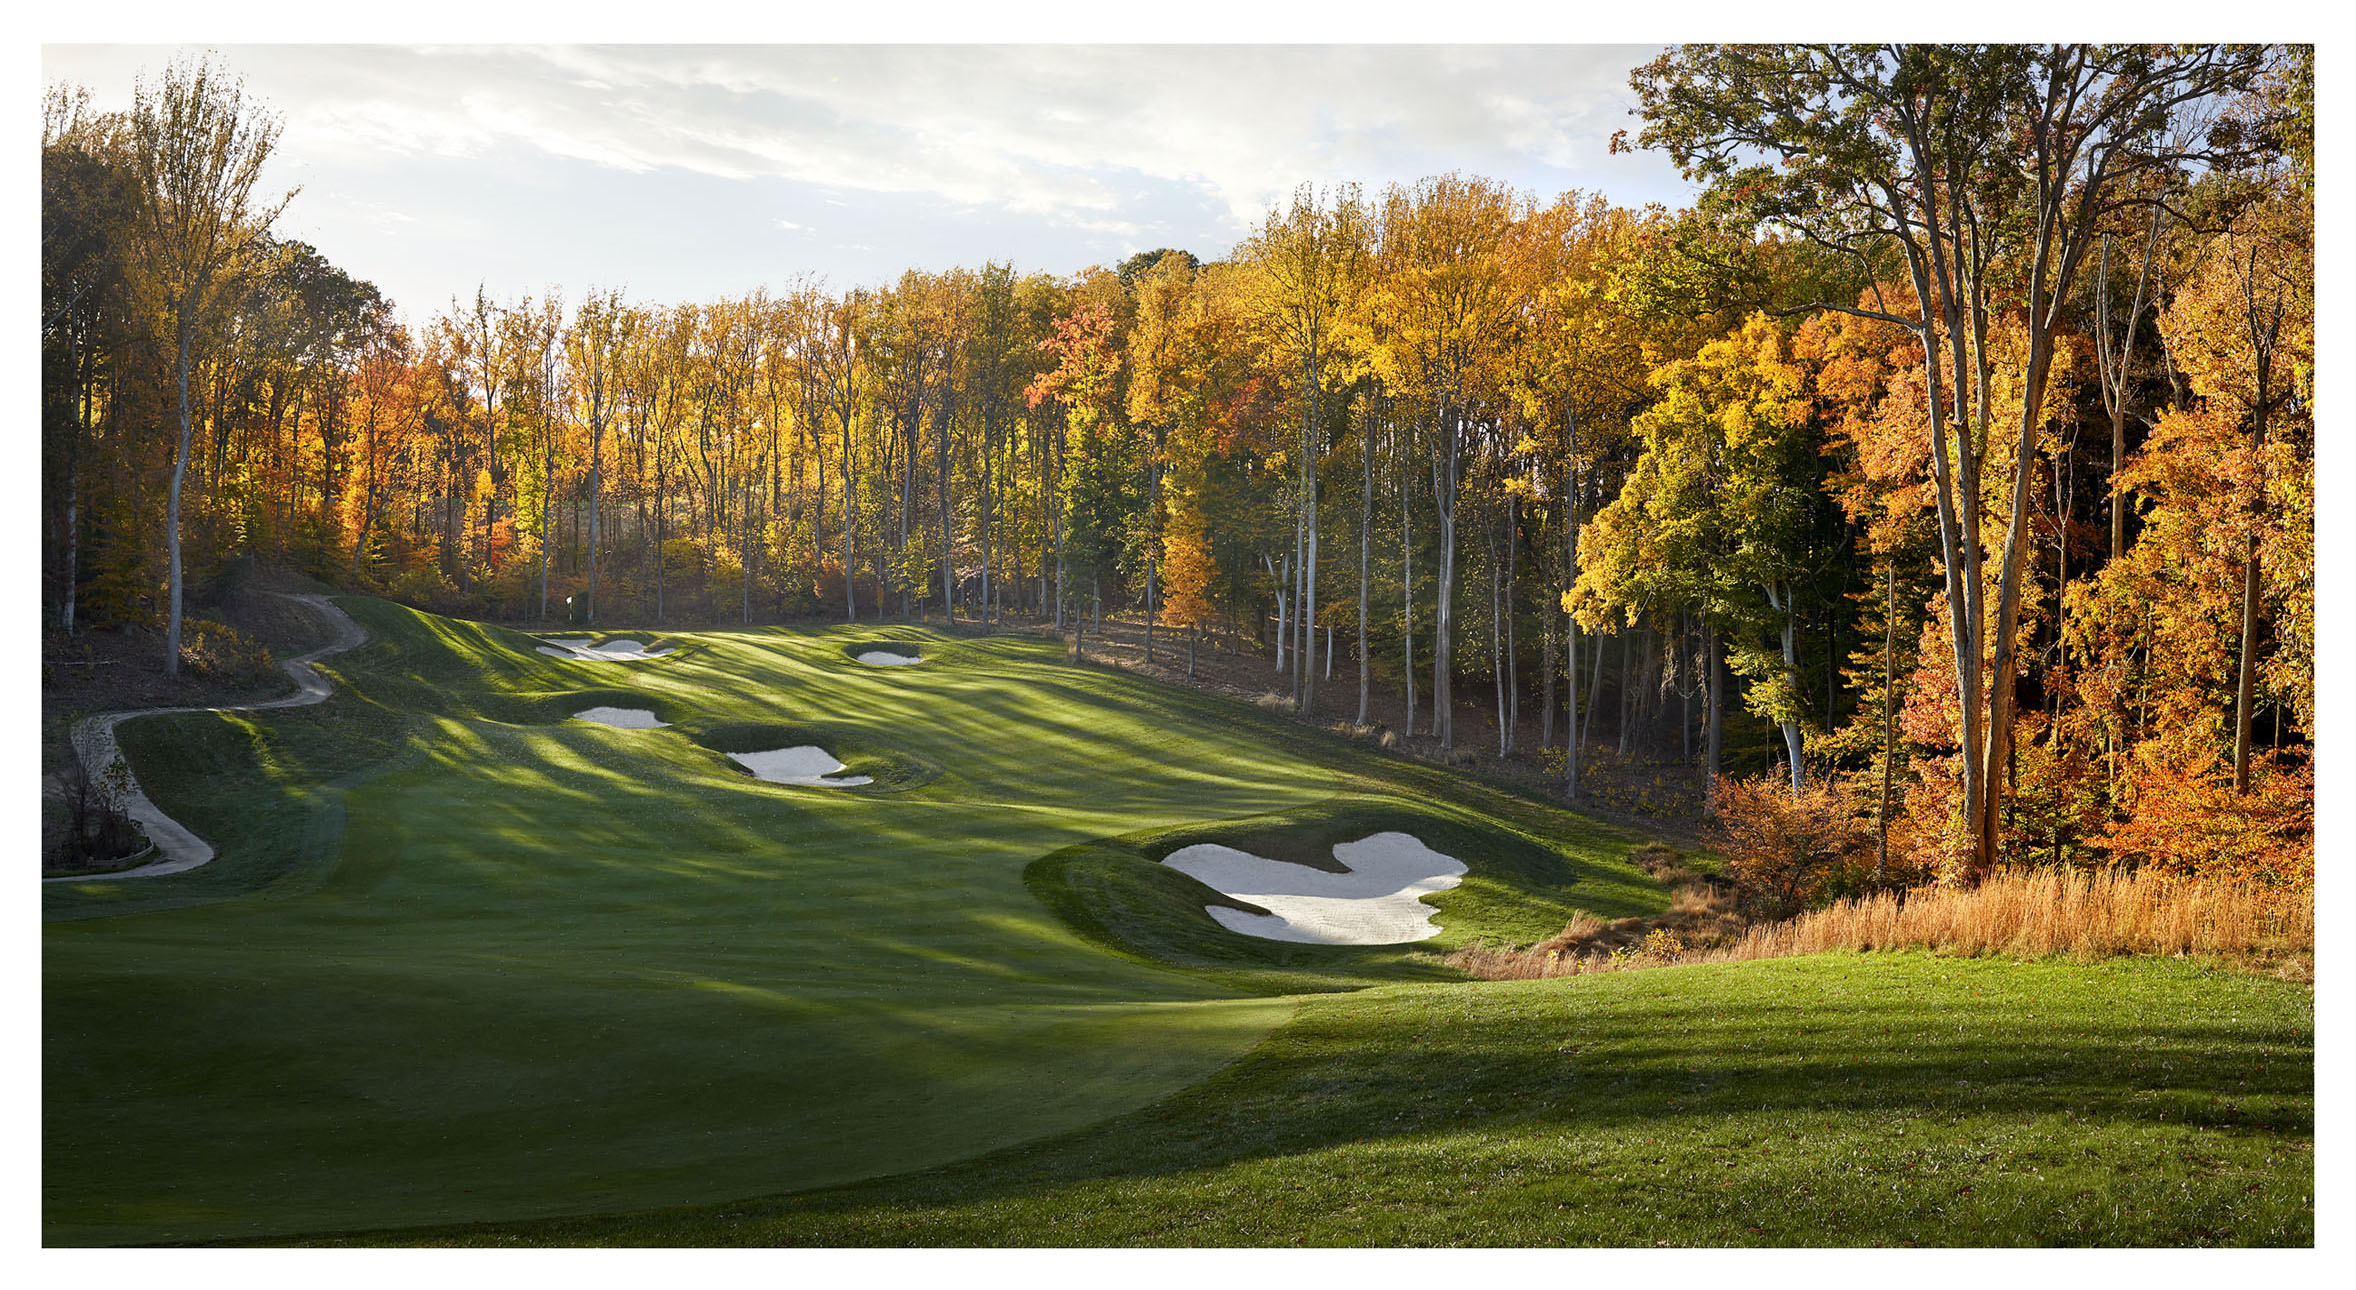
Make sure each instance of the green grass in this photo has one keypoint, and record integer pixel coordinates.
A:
(462, 958)
(470, 971)
(1841, 1100)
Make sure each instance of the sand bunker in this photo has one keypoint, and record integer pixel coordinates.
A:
(808, 765)
(626, 718)
(579, 649)
(1378, 902)
(886, 658)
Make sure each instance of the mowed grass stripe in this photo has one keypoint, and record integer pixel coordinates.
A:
(464, 958)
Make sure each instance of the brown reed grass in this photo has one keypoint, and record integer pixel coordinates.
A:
(2025, 912)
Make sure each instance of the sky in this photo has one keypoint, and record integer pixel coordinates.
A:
(682, 172)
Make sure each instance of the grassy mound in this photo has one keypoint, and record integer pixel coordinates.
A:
(1117, 892)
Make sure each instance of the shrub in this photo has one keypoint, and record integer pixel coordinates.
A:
(1787, 850)
(98, 834)
(219, 652)
(422, 586)
(2190, 823)
(2015, 911)
(798, 596)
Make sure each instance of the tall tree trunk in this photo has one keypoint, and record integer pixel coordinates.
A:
(1406, 582)
(850, 533)
(2112, 363)
(1714, 699)
(172, 507)
(2005, 660)
(1282, 574)
(1365, 563)
(662, 510)
(73, 490)
(1570, 539)
(1443, 690)
(1305, 679)
(988, 510)
(1546, 680)
(2264, 337)
(1496, 629)
(948, 554)
(1594, 691)
(1881, 857)
(1791, 670)
(1685, 691)
(1513, 687)
(1305, 543)
(596, 495)
(1627, 687)
(1153, 544)
(547, 508)
(1153, 504)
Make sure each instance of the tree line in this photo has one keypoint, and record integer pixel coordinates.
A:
(1952, 456)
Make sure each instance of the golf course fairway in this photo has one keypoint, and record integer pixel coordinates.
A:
(462, 958)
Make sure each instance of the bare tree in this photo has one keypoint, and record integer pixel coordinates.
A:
(198, 147)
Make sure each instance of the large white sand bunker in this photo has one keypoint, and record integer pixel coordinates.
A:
(626, 718)
(581, 649)
(808, 765)
(886, 658)
(1378, 902)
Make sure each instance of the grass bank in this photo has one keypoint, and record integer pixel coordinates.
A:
(1885, 1099)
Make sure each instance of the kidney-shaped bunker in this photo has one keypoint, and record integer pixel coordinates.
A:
(1379, 901)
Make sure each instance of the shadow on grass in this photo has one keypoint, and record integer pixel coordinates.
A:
(1841, 1100)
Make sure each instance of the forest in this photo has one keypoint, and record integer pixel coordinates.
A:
(1935, 494)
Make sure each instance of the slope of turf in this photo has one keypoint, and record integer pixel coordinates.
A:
(1117, 892)
(1842, 1100)
(462, 958)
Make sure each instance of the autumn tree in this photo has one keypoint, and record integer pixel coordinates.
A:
(1084, 382)
(197, 148)
(1310, 261)
(602, 331)
(1442, 292)
(1983, 174)
(1716, 517)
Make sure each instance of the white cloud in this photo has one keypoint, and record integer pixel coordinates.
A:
(1041, 131)
(679, 168)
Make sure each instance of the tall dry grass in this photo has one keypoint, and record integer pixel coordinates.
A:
(2032, 912)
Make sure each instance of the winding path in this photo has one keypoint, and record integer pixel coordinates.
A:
(180, 850)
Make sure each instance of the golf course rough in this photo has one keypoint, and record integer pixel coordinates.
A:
(461, 957)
